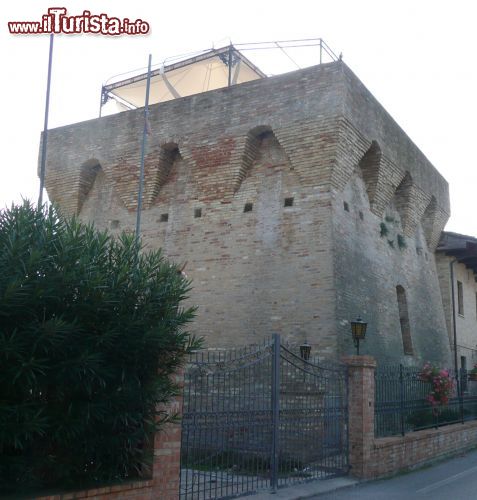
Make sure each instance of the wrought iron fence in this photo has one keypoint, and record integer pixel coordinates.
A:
(402, 405)
(260, 418)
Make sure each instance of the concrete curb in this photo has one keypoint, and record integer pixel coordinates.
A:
(306, 490)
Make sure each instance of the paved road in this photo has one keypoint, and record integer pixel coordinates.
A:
(454, 479)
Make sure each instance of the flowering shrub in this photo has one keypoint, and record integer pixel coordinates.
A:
(442, 384)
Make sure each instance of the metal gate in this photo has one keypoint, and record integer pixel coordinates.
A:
(260, 418)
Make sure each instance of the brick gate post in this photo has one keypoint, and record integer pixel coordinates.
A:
(167, 451)
(361, 412)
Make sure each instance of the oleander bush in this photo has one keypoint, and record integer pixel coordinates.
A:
(90, 332)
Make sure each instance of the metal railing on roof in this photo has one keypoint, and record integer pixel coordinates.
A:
(300, 53)
(325, 53)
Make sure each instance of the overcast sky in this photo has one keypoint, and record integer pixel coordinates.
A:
(418, 58)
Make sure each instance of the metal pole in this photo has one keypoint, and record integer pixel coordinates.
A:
(230, 65)
(101, 101)
(45, 126)
(321, 50)
(143, 152)
(275, 411)
(401, 398)
(454, 322)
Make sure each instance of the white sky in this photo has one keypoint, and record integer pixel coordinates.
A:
(417, 57)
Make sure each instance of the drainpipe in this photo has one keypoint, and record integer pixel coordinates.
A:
(454, 324)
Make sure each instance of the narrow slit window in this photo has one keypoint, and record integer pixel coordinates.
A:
(248, 207)
(198, 213)
(404, 321)
(288, 202)
(346, 206)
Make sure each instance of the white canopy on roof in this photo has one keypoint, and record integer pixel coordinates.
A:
(209, 70)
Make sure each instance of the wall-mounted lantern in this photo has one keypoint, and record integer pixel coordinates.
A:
(358, 330)
(305, 351)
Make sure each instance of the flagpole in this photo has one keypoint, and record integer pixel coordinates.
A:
(143, 152)
(45, 126)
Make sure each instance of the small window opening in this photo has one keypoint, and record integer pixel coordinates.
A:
(288, 202)
(248, 207)
(404, 321)
(114, 224)
(164, 217)
(198, 213)
(361, 216)
(346, 206)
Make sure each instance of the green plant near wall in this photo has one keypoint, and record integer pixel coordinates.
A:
(385, 232)
(401, 241)
(91, 331)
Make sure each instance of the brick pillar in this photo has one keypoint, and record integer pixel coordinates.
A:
(361, 413)
(167, 451)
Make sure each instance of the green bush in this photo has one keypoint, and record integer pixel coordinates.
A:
(424, 419)
(90, 333)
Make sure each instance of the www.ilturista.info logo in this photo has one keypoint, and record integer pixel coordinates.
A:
(56, 21)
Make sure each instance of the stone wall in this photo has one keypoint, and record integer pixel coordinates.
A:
(247, 184)
(389, 207)
(374, 255)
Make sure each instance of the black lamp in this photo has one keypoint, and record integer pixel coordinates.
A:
(305, 351)
(358, 330)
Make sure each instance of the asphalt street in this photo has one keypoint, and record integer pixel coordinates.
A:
(453, 479)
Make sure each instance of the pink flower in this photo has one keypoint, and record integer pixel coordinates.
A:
(442, 384)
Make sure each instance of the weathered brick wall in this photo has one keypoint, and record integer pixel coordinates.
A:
(443, 273)
(369, 265)
(360, 412)
(391, 455)
(273, 268)
(367, 116)
(385, 185)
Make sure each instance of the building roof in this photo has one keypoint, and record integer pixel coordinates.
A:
(460, 246)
